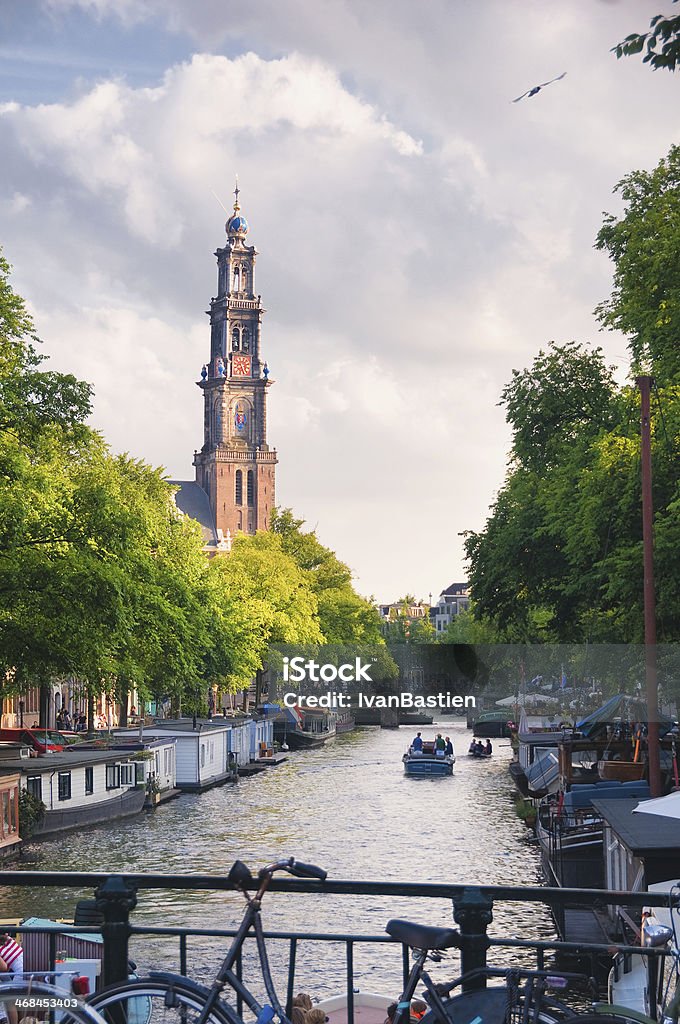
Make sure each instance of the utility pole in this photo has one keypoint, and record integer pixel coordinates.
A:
(644, 383)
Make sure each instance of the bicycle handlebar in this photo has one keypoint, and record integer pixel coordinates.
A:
(293, 867)
(307, 871)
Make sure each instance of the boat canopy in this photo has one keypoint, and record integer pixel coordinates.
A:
(617, 708)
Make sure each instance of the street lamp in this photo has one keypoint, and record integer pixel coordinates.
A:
(22, 708)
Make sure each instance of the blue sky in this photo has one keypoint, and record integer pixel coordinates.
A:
(420, 235)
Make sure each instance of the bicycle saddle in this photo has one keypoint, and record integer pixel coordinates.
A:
(422, 936)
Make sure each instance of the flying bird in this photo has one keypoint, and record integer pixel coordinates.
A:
(537, 88)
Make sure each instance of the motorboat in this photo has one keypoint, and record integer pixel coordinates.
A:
(428, 761)
(368, 1007)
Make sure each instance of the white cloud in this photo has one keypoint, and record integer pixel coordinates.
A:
(420, 235)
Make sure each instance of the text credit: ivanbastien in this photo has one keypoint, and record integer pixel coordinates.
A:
(336, 678)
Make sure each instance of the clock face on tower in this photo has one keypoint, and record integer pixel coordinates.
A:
(240, 365)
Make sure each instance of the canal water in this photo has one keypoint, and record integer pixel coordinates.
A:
(349, 808)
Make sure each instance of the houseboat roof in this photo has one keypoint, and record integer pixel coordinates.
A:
(127, 741)
(60, 761)
(185, 726)
(643, 834)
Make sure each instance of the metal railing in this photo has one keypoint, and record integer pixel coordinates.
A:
(472, 906)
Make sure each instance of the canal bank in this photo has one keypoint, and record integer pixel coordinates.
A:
(347, 806)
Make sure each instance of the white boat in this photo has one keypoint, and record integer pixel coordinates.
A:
(628, 984)
(369, 1008)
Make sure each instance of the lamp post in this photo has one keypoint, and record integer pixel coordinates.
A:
(22, 708)
(645, 384)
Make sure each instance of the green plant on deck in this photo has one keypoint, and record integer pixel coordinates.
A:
(153, 786)
(525, 810)
(31, 813)
(142, 755)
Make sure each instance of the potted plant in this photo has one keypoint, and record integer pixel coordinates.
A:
(153, 789)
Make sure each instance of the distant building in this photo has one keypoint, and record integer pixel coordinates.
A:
(451, 602)
(391, 612)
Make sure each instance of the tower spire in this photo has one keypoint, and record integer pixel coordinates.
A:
(236, 467)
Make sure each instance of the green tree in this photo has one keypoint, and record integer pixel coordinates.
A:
(344, 616)
(644, 244)
(661, 43)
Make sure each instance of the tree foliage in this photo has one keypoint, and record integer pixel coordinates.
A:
(560, 557)
(661, 44)
(103, 580)
(644, 244)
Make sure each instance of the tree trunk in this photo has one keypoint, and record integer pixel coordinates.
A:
(90, 712)
(123, 697)
(45, 704)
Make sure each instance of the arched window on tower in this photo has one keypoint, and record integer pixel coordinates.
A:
(237, 278)
(251, 488)
(244, 279)
(235, 340)
(245, 339)
(239, 487)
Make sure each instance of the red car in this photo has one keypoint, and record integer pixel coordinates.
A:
(43, 740)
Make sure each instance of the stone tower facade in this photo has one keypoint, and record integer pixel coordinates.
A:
(236, 467)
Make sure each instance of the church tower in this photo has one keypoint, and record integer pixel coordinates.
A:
(236, 467)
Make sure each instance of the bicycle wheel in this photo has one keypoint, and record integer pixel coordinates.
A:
(38, 999)
(491, 1005)
(157, 1001)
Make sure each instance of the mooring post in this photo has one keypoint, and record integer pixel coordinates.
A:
(473, 912)
(115, 898)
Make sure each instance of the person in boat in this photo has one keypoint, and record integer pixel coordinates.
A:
(417, 745)
(488, 749)
(316, 1016)
(415, 1012)
(472, 749)
(448, 750)
(440, 745)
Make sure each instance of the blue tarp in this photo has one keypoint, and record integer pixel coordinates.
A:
(623, 708)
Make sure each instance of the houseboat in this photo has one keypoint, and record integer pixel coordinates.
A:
(570, 834)
(490, 724)
(201, 754)
(81, 787)
(9, 816)
(158, 757)
(210, 752)
(303, 729)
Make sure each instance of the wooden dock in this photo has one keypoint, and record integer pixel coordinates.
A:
(260, 764)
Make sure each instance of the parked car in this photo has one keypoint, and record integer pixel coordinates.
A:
(42, 740)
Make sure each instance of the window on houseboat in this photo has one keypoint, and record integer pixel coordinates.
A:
(202, 755)
(34, 786)
(127, 775)
(6, 814)
(113, 776)
(64, 785)
(89, 781)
